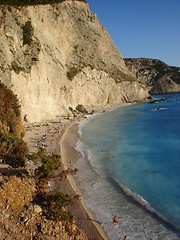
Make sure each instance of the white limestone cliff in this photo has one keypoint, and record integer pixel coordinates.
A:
(56, 56)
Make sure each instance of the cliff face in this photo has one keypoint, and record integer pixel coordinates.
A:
(56, 56)
(155, 75)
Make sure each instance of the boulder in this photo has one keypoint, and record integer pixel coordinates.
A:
(81, 108)
(37, 209)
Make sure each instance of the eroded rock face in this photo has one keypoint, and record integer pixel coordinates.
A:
(56, 56)
(15, 192)
(155, 75)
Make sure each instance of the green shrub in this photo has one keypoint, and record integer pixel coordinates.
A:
(10, 116)
(61, 199)
(13, 150)
(54, 202)
(58, 201)
(48, 166)
(27, 33)
(15, 67)
(71, 73)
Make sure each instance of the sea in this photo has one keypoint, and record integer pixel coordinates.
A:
(130, 168)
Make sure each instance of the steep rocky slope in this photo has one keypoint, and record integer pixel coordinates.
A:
(21, 218)
(157, 76)
(56, 56)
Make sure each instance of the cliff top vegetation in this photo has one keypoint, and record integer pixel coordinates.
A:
(32, 2)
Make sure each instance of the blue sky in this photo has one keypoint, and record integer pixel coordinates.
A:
(142, 28)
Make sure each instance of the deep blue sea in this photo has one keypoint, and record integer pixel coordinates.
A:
(130, 167)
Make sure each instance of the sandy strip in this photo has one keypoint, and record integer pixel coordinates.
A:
(84, 218)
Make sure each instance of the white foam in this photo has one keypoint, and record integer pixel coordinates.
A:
(158, 109)
(107, 200)
(85, 121)
(82, 148)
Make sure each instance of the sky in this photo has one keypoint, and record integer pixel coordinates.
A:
(142, 28)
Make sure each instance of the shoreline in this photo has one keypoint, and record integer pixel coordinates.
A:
(70, 142)
(164, 223)
(62, 135)
(90, 226)
(69, 138)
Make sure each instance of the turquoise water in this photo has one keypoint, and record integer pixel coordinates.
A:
(131, 168)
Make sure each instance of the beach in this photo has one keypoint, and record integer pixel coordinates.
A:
(84, 219)
(59, 137)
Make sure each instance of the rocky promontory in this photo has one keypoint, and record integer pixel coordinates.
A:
(155, 75)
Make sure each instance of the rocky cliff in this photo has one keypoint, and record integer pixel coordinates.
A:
(155, 75)
(56, 56)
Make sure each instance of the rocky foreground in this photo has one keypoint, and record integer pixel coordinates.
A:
(22, 219)
(23, 216)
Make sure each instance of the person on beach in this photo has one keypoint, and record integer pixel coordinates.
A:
(115, 221)
(125, 238)
(70, 165)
